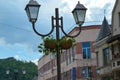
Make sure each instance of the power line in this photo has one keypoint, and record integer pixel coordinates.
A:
(8, 25)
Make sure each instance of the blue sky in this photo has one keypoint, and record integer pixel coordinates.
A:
(17, 38)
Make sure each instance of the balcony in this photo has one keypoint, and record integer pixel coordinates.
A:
(86, 62)
(105, 70)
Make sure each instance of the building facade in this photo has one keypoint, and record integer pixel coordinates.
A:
(114, 41)
(77, 63)
(108, 48)
(103, 53)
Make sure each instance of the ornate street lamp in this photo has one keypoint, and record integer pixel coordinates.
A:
(79, 13)
(15, 74)
(7, 72)
(24, 72)
(32, 10)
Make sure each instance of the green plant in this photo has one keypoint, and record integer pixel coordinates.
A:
(49, 44)
(67, 42)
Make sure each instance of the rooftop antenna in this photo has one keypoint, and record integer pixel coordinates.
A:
(104, 12)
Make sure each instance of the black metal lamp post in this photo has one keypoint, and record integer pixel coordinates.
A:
(24, 72)
(32, 10)
(15, 74)
(7, 72)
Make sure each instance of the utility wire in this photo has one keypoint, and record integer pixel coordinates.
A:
(8, 25)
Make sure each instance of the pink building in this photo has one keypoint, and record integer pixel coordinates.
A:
(78, 63)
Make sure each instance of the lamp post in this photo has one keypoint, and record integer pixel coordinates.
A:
(7, 72)
(24, 72)
(15, 74)
(32, 10)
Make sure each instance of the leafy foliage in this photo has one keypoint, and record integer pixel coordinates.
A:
(50, 44)
(13, 64)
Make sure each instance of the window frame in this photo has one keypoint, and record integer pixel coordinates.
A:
(106, 56)
(86, 47)
(87, 71)
(119, 18)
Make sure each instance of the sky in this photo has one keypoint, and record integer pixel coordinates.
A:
(17, 38)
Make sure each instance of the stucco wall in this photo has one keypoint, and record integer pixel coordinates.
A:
(116, 19)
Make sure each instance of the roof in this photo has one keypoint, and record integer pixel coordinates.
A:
(84, 28)
(104, 30)
(113, 38)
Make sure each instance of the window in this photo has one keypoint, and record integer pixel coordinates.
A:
(66, 56)
(70, 75)
(86, 50)
(73, 73)
(87, 72)
(118, 63)
(106, 56)
(74, 52)
(113, 64)
(71, 56)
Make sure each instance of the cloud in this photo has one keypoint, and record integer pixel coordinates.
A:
(94, 8)
(35, 61)
(21, 59)
(2, 41)
(17, 37)
(18, 50)
(17, 57)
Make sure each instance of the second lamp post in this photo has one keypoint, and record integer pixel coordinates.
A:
(32, 10)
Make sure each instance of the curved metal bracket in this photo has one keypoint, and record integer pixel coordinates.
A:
(33, 25)
(68, 34)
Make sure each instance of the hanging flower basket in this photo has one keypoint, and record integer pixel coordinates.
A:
(66, 42)
(49, 44)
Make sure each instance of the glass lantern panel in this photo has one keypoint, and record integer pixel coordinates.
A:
(81, 16)
(34, 10)
(75, 17)
(28, 13)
